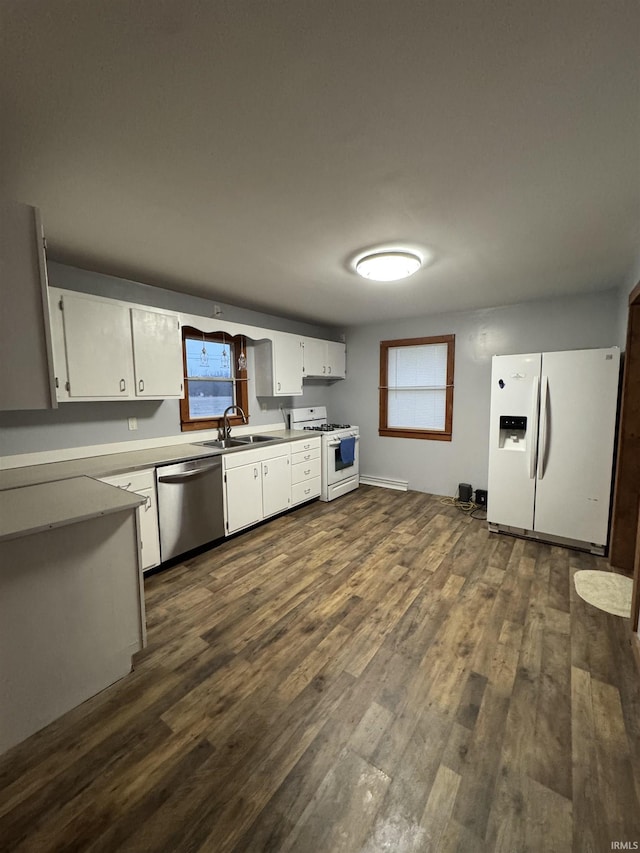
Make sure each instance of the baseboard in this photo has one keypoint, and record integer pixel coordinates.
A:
(385, 483)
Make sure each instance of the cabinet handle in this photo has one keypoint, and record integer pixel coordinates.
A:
(306, 491)
(329, 368)
(307, 446)
(123, 385)
(324, 368)
(255, 473)
(266, 470)
(279, 386)
(308, 456)
(307, 472)
(141, 385)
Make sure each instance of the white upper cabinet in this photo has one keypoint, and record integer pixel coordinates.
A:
(97, 341)
(324, 358)
(27, 381)
(157, 353)
(288, 355)
(315, 357)
(279, 365)
(336, 360)
(107, 350)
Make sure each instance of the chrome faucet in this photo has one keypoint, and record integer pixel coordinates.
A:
(225, 432)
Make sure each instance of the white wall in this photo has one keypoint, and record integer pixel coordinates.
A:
(437, 466)
(81, 424)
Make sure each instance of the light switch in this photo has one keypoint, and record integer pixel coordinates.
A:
(133, 423)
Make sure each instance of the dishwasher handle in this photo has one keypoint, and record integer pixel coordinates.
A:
(175, 478)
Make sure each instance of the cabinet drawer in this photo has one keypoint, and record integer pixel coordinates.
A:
(305, 491)
(301, 456)
(309, 444)
(305, 471)
(134, 481)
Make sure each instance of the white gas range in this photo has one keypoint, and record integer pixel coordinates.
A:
(339, 453)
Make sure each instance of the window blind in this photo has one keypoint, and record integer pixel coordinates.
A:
(417, 387)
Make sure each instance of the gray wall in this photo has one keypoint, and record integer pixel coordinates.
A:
(630, 282)
(98, 284)
(85, 424)
(437, 466)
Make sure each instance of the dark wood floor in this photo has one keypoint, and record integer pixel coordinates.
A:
(375, 674)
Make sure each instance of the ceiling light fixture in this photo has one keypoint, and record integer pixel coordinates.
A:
(388, 266)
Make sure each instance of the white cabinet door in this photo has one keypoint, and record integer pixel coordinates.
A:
(276, 485)
(279, 365)
(97, 335)
(27, 380)
(287, 365)
(315, 357)
(157, 354)
(336, 360)
(143, 483)
(149, 536)
(244, 496)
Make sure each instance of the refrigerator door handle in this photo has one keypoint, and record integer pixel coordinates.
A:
(544, 431)
(534, 428)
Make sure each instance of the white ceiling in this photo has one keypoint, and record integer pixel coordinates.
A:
(244, 150)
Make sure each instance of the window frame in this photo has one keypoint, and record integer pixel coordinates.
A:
(429, 434)
(240, 381)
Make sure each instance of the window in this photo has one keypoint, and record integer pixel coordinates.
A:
(212, 378)
(416, 388)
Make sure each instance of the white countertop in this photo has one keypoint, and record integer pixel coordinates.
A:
(33, 509)
(110, 464)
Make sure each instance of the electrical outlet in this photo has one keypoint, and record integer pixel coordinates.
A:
(133, 423)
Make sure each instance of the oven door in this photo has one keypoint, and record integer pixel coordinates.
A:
(337, 470)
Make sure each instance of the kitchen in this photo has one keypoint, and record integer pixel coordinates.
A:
(556, 320)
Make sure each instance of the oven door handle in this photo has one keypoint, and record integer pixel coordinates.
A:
(337, 443)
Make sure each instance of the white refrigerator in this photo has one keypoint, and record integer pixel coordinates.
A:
(552, 432)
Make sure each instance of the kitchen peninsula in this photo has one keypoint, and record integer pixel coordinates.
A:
(71, 600)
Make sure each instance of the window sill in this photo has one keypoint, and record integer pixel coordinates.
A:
(429, 435)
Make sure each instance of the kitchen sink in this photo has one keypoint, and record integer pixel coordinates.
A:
(240, 441)
(222, 443)
(254, 439)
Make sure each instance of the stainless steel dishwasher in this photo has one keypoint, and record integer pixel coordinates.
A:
(190, 505)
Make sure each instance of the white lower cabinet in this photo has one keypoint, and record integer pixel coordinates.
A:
(305, 470)
(243, 489)
(143, 483)
(276, 485)
(257, 485)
